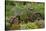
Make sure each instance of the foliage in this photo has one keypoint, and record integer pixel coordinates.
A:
(23, 9)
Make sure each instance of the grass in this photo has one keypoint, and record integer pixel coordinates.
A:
(23, 11)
